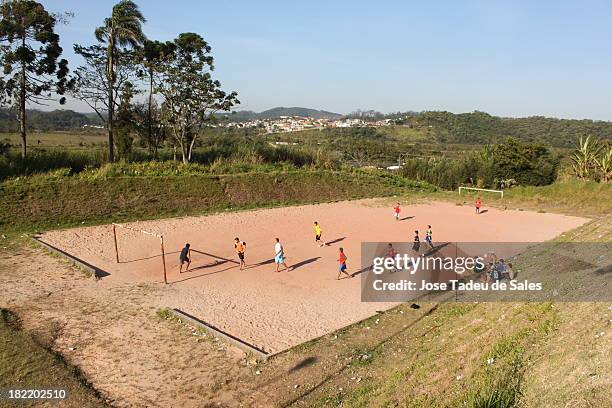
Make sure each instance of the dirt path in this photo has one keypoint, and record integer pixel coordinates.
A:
(113, 334)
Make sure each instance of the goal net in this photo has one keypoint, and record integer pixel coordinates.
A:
(132, 234)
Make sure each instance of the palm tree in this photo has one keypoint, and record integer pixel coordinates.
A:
(122, 29)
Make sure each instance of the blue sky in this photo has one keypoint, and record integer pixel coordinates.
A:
(511, 58)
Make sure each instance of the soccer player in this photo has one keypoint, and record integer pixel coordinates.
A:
(279, 255)
(478, 205)
(240, 247)
(342, 264)
(391, 252)
(318, 232)
(185, 258)
(397, 211)
(428, 236)
(417, 242)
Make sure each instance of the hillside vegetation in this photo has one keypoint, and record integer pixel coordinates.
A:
(55, 120)
(52, 202)
(482, 128)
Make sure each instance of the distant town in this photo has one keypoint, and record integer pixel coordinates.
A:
(299, 123)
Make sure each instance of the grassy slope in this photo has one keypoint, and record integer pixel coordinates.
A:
(580, 198)
(24, 363)
(40, 203)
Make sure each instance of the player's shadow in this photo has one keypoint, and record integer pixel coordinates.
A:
(305, 262)
(435, 249)
(202, 274)
(407, 218)
(214, 256)
(149, 257)
(267, 262)
(483, 211)
(363, 270)
(208, 265)
(334, 241)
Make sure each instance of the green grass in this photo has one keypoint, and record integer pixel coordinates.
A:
(58, 139)
(581, 198)
(24, 363)
(36, 203)
(165, 314)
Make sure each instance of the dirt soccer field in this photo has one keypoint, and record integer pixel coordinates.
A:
(275, 311)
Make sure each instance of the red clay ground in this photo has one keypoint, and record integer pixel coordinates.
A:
(275, 311)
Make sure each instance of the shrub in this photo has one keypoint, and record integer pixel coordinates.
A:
(494, 166)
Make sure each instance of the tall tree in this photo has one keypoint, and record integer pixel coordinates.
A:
(125, 122)
(149, 126)
(93, 86)
(191, 96)
(29, 54)
(151, 55)
(122, 29)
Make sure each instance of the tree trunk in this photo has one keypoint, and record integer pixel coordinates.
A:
(191, 148)
(22, 106)
(111, 104)
(150, 129)
(184, 150)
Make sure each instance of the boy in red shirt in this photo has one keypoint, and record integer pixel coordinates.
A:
(397, 210)
(478, 205)
(342, 264)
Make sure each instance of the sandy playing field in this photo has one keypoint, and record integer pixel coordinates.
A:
(274, 311)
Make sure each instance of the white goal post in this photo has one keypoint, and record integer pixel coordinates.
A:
(161, 241)
(482, 189)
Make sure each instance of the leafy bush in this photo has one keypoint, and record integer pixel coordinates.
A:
(218, 156)
(493, 166)
(42, 161)
(530, 164)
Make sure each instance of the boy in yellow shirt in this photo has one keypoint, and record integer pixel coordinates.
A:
(318, 232)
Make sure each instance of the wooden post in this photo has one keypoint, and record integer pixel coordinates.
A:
(115, 237)
(163, 259)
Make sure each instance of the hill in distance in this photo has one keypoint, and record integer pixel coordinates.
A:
(277, 112)
(58, 119)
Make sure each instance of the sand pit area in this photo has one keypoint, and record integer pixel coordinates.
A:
(275, 311)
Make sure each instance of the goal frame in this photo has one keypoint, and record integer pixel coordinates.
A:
(159, 236)
(482, 189)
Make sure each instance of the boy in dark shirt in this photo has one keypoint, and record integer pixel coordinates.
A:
(185, 258)
(416, 245)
